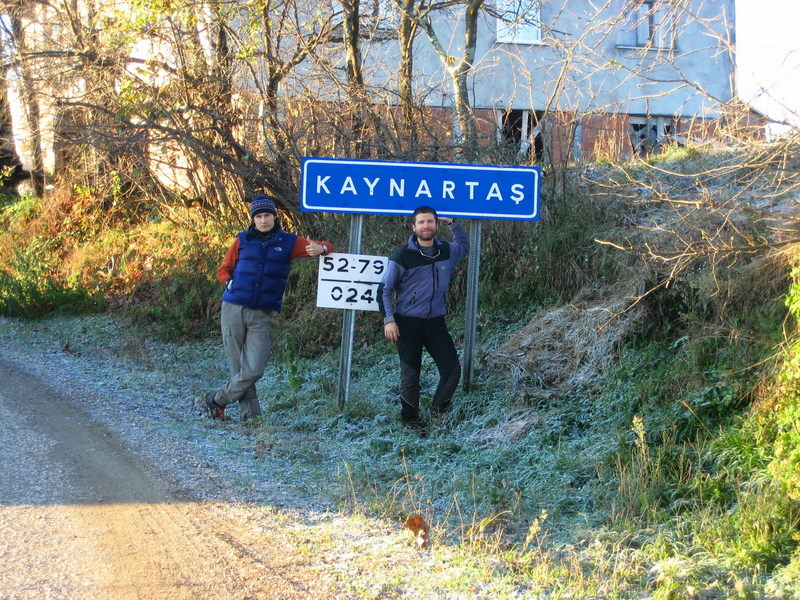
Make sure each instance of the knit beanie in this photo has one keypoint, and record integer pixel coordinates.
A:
(262, 204)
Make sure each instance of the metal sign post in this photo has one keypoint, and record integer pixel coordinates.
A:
(348, 321)
(471, 307)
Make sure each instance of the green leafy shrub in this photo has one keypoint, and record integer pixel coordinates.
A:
(30, 285)
(785, 409)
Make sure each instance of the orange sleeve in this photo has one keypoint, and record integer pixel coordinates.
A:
(299, 250)
(225, 271)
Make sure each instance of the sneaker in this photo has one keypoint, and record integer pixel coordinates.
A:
(215, 411)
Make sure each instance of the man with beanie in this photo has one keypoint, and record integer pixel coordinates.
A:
(254, 272)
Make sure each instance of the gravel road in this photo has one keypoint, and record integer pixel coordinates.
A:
(81, 517)
(114, 487)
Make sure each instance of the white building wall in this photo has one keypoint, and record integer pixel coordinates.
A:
(581, 64)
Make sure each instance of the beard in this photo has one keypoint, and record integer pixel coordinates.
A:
(426, 236)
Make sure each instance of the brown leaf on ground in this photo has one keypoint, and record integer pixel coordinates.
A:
(420, 529)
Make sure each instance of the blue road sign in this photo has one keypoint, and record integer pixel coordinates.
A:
(397, 188)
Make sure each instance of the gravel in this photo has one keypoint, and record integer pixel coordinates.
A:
(147, 392)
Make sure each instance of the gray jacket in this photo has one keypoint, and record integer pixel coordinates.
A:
(419, 283)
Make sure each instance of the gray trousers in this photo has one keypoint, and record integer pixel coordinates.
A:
(246, 337)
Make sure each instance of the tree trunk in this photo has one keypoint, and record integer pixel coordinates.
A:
(355, 78)
(463, 106)
(465, 141)
(30, 102)
(408, 31)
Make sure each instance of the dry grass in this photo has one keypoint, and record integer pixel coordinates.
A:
(570, 345)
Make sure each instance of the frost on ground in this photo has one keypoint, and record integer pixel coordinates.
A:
(146, 392)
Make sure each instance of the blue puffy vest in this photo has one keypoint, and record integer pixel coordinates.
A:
(262, 270)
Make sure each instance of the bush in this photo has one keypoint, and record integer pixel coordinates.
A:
(31, 287)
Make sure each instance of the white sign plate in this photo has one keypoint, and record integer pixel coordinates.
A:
(350, 281)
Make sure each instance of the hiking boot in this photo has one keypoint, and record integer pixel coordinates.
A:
(440, 408)
(417, 428)
(414, 425)
(215, 411)
(252, 421)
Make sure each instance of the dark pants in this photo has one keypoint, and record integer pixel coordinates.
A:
(431, 334)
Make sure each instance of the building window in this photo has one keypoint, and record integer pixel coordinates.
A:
(520, 132)
(518, 22)
(648, 134)
(646, 24)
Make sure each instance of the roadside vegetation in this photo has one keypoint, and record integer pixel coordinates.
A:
(632, 428)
